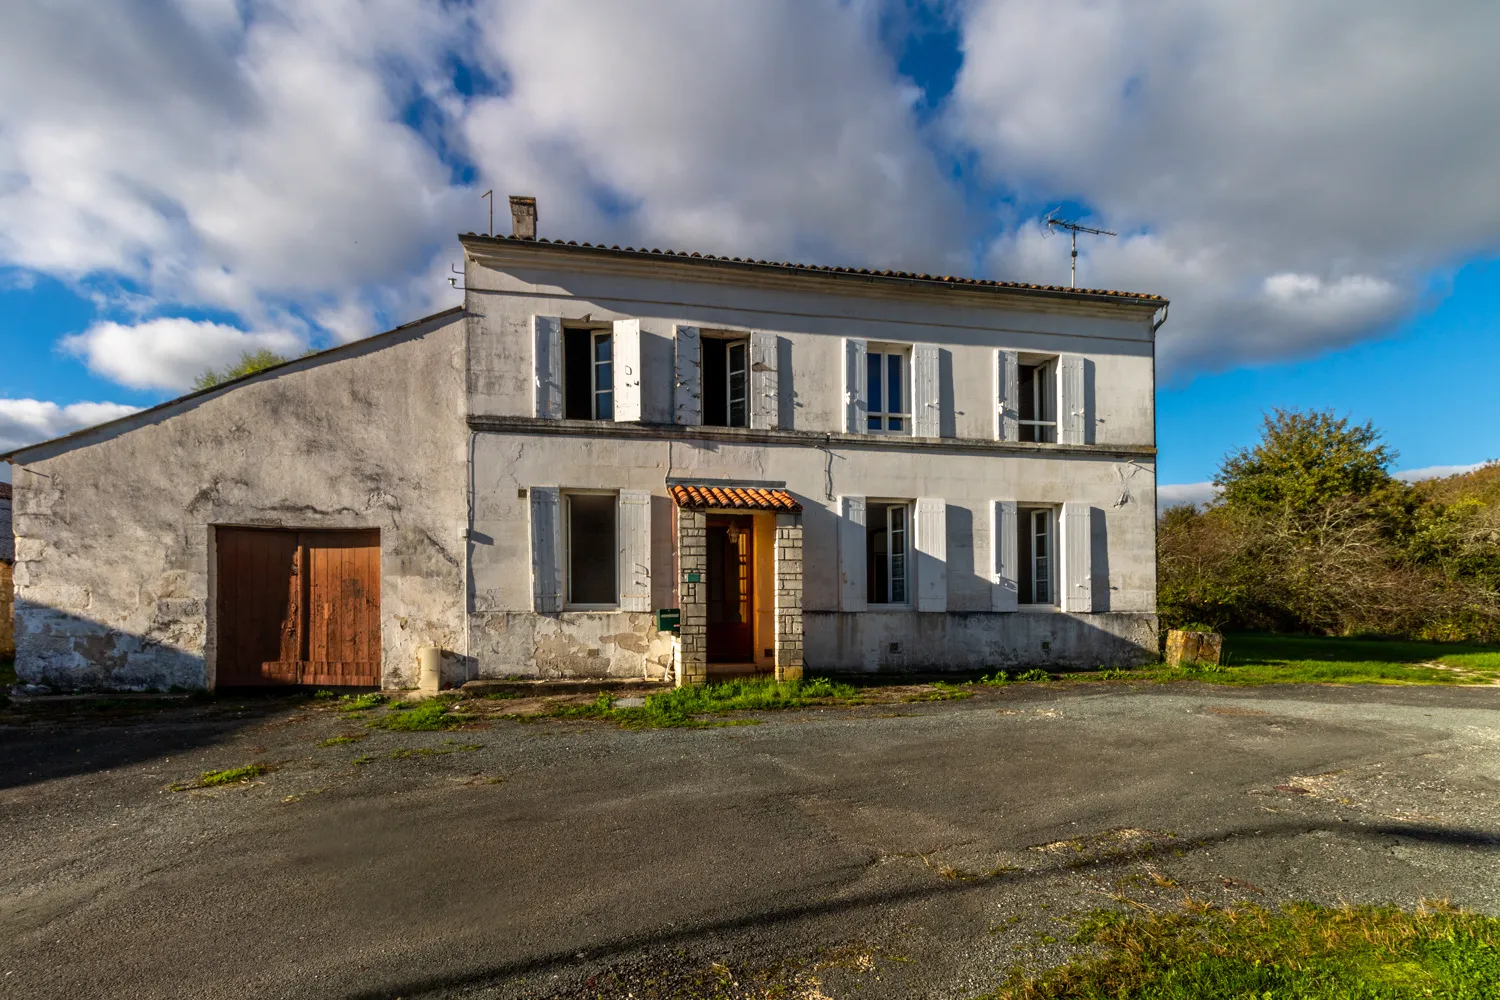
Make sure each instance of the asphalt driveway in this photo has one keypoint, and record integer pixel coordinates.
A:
(910, 850)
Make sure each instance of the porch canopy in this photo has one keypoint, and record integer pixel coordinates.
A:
(691, 497)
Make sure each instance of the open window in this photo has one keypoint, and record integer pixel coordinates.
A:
(1037, 404)
(588, 374)
(725, 364)
(1036, 549)
(887, 395)
(591, 536)
(887, 552)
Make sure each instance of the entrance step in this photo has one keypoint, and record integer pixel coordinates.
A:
(524, 688)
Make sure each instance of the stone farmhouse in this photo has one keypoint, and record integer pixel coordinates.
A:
(621, 462)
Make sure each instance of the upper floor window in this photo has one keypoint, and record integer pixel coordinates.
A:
(588, 375)
(886, 391)
(887, 544)
(1038, 402)
(725, 364)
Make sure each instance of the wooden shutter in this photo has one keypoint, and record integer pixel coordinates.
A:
(687, 393)
(1077, 549)
(547, 365)
(932, 555)
(1005, 571)
(635, 550)
(856, 407)
(546, 548)
(627, 355)
(1007, 396)
(1070, 420)
(853, 586)
(765, 396)
(927, 413)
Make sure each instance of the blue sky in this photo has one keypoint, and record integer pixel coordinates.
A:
(1312, 185)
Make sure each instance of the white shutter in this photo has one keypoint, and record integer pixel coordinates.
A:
(688, 393)
(856, 407)
(627, 370)
(546, 548)
(765, 396)
(1070, 420)
(1004, 569)
(1077, 548)
(1008, 395)
(932, 555)
(547, 365)
(927, 414)
(852, 584)
(635, 550)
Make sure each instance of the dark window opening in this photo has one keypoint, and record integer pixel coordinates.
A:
(588, 375)
(887, 547)
(1036, 548)
(1037, 406)
(592, 549)
(726, 382)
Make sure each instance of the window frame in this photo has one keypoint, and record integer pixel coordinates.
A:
(877, 421)
(908, 510)
(1027, 516)
(566, 562)
(1046, 385)
(596, 337)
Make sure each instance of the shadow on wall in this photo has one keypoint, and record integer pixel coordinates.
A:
(68, 652)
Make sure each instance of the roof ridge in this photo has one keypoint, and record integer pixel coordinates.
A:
(946, 279)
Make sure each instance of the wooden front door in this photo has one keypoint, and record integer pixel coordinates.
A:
(298, 607)
(731, 589)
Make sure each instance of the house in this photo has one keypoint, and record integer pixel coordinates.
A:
(622, 462)
(7, 559)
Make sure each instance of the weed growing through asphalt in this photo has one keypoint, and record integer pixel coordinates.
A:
(342, 740)
(688, 706)
(351, 703)
(1034, 674)
(426, 715)
(228, 776)
(1299, 952)
(407, 753)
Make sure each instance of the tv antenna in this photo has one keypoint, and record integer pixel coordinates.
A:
(490, 194)
(1052, 222)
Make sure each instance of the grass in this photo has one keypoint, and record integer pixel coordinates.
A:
(702, 705)
(1299, 952)
(426, 715)
(7, 671)
(228, 776)
(342, 740)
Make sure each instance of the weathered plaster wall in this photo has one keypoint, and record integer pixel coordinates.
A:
(505, 464)
(1116, 342)
(114, 570)
(902, 641)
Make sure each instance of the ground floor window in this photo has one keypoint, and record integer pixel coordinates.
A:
(592, 549)
(1037, 549)
(887, 546)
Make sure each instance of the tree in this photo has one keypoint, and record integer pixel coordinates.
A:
(1303, 460)
(249, 363)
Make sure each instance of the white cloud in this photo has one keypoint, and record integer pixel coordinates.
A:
(1290, 174)
(1175, 494)
(1437, 472)
(777, 128)
(169, 353)
(27, 421)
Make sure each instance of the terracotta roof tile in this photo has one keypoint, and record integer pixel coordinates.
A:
(733, 498)
(943, 279)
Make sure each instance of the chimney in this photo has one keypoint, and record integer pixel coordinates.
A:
(522, 217)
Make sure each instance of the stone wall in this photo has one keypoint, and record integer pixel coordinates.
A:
(692, 565)
(788, 597)
(7, 620)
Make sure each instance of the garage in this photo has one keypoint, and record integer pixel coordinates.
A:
(298, 607)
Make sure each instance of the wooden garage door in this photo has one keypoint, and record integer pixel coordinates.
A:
(298, 607)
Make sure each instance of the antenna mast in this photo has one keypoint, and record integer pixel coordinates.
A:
(1052, 222)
